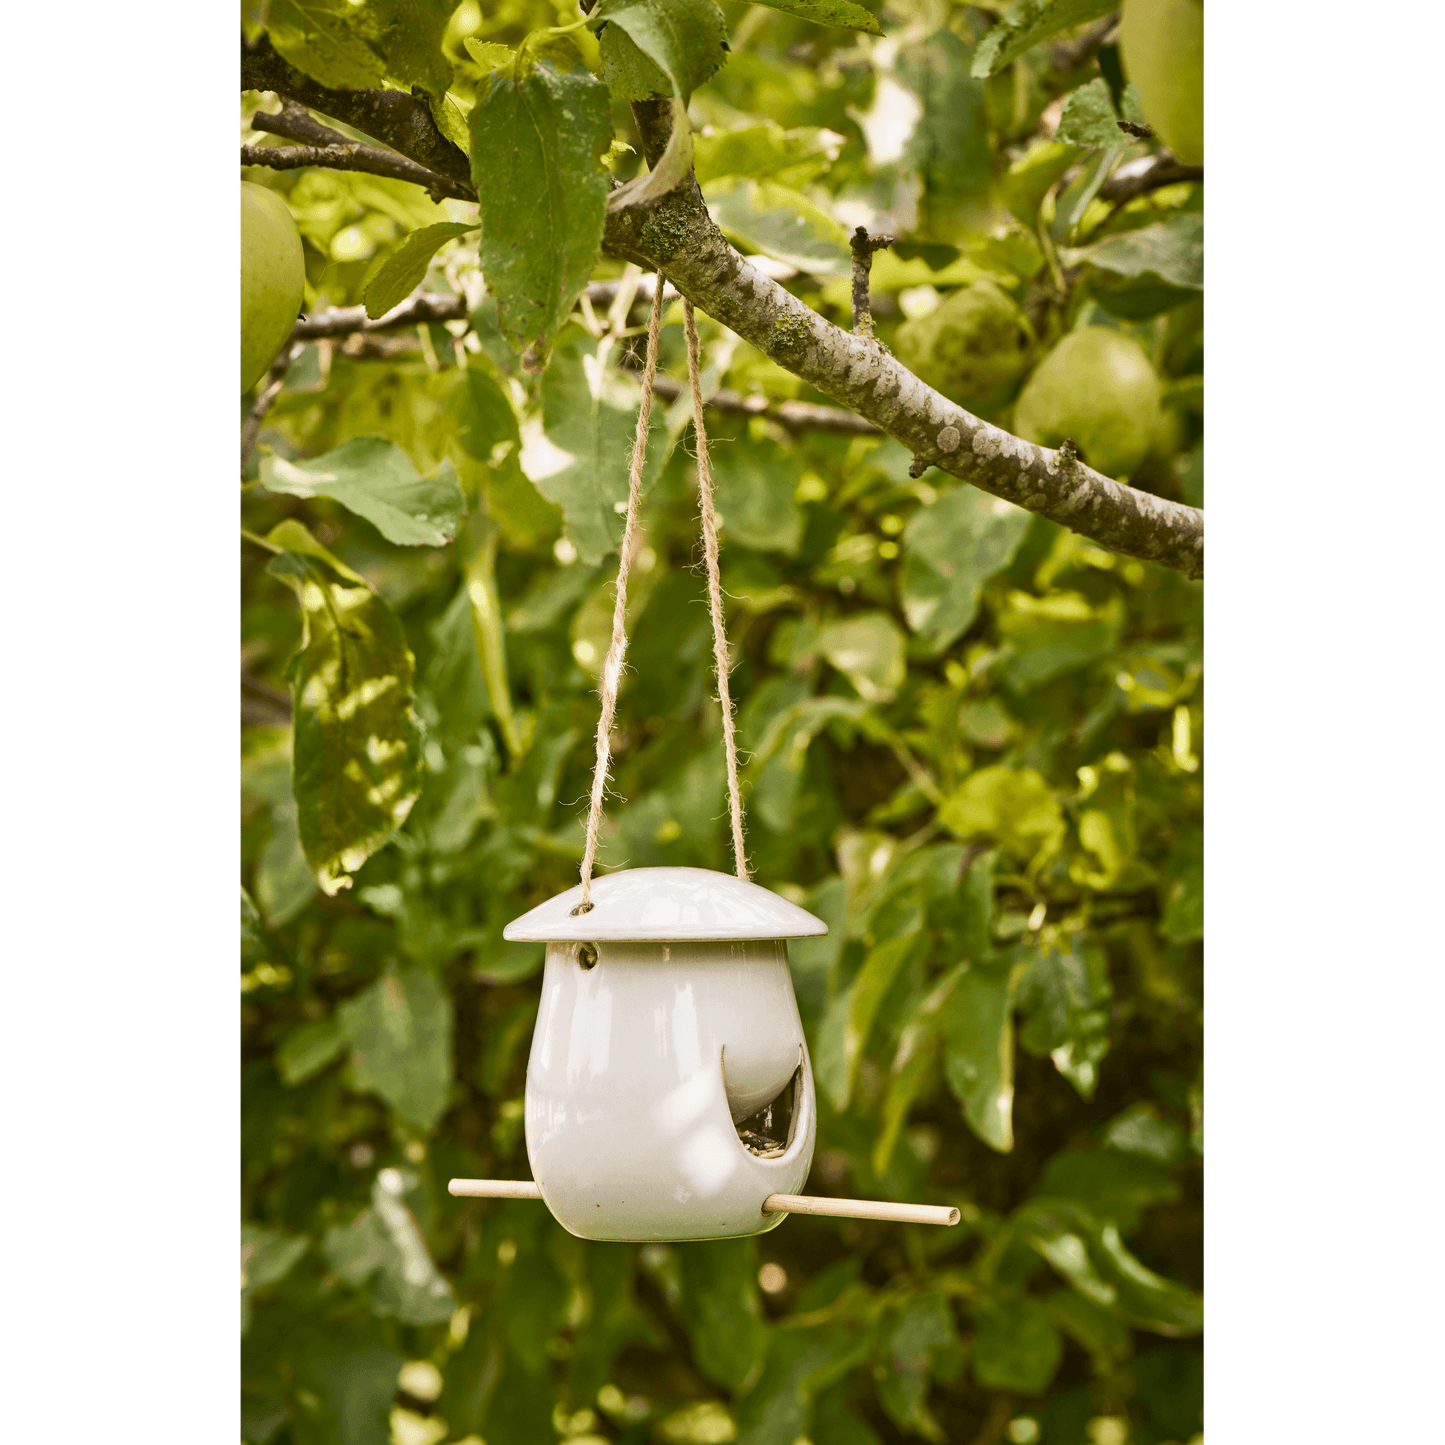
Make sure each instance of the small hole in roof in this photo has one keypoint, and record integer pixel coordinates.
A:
(580, 909)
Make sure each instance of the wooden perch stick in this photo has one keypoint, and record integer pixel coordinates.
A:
(774, 1204)
(860, 1209)
(495, 1188)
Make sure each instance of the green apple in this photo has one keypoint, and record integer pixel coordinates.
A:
(273, 279)
(1098, 388)
(1161, 43)
(974, 347)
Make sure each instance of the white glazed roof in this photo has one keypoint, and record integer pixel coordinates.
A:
(666, 904)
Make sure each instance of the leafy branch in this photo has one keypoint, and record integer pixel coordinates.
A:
(676, 235)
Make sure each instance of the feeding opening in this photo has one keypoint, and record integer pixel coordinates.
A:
(769, 1132)
(587, 955)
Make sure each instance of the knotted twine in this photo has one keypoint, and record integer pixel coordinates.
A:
(611, 676)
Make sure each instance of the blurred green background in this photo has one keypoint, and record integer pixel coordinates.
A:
(972, 745)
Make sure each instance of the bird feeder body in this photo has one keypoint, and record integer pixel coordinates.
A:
(669, 1090)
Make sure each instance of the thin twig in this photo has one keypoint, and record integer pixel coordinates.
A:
(795, 415)
(863, 246)
(295, 122)
(344, 320)
(441, 306)
(275, 380)
(1151, 174)
(352, 156)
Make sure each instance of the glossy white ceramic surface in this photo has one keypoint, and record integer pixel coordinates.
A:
(666, 904)
(640, 1066)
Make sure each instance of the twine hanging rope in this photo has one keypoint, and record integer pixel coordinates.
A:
(611, 677)
(714, 592)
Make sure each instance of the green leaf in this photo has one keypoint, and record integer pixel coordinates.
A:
(843, 1034)
(949, 146)
(357, 1388)
(533, 1308)
(1064, 995)
(780, 757)
(400, 1033)
(1172, 250)
(292, 536)
(1139, 1130)
(683, 40)
(490, 55)
(543, 198)
(282, 881)
(1089, 118)
(487, 632)
(1092, 1327)
(719, 1279)
(383, 1249)
(922, 1334)
(552, 597)
(405, 269)
(356, 766)
(774, 1410)
(754, 495)
(758, 152)
(1074, 200)
(374, 478)
(1030, 178)
(1025, 24)
(253, 942)
(951, 549)
(1011, 806)
(482, 410)
(976, 1024)
(868, 649)
(784, 224)
(1015, 1346)
(917, 1050)
(660, 47)
(407, 36)
(1114, 1186)
(267, 1257)
(1182, 890)
(325, 39)
(1048, 636)
(583, 469)
(1090, 1254)
(304, 1052)
(839, 13)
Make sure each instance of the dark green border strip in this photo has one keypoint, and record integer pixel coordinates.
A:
(1324, 955)
(120, 619)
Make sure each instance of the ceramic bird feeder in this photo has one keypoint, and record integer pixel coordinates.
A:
(669, 1091)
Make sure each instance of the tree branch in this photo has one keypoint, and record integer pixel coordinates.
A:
(677, 237)
(389, 116)
(437, 306)
(352, 156)
(863, 246)
(344, 320)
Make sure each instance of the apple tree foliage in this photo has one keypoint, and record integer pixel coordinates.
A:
(973, 738)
